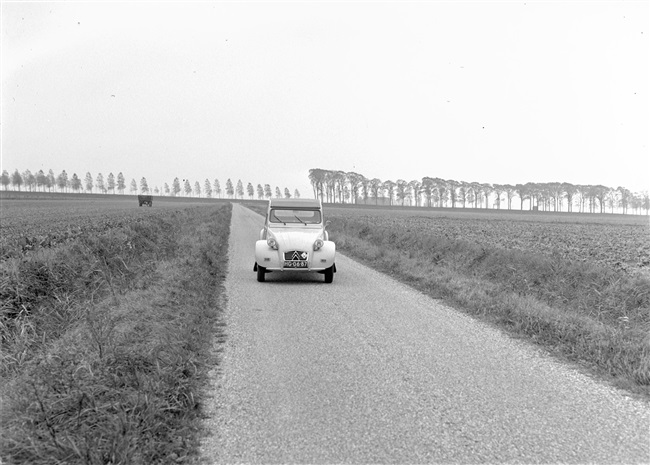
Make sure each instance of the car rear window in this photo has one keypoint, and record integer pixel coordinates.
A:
(285, 215)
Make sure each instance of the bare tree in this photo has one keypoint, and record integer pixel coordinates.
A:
(364, 187)
(612, 199)
(339, 180)
(389, 187)
(99, 182)
(16, 180)
(462, 192)
(240, 189)
(110, 183)
(376, 188)
(645, 202)
(75, 182)
(427, 188)
(440, 187)
(625, 197)
(354, 181)
(415, 187)
(5, 180)
(89, 182)
(471, 195)
(400, 190)
(317, 178)
(121, 183)
(569, 192)
(230, 190)
(62, 181)
(600, 192)
(510, 193)
(216, 187)
(41, 180)
(498, 189)
(51, 180)
(30, 180)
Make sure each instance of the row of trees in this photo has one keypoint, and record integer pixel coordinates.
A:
(342, 187)
(42, 182)
(231, 191)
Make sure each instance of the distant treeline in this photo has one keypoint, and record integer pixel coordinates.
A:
(341, 187)
(48, 182)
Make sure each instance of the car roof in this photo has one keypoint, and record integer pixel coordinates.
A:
(295, 203)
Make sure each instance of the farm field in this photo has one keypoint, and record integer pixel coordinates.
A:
(621, 242)
(38, 221)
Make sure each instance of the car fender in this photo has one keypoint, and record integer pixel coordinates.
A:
(328, 249)
(266, 256)
(325, 256)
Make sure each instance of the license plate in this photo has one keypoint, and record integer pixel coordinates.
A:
(295, 264)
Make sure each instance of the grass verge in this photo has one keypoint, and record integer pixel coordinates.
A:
(583, 312)
(106, 341)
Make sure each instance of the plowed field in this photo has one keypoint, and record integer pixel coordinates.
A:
(31, 223)
(617, 241)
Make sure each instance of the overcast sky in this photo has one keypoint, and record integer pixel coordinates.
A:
(496, 92)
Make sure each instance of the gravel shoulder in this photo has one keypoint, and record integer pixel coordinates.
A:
(368, 370)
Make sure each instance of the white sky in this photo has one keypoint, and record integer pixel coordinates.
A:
(498, 92)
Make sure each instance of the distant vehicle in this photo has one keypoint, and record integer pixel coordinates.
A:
(145, 200)
(294, 238)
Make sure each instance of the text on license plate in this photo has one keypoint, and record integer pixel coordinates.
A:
(295, 264)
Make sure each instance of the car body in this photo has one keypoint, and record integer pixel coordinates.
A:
(145, 200)
(294, 238)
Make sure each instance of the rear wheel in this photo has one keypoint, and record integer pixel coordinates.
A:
(329, 274)
(261, 273)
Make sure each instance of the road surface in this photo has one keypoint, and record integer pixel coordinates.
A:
(367, 370)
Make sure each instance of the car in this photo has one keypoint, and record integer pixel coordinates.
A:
(145, 200)
(294, 238)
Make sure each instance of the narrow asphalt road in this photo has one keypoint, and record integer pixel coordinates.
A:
(367, 370)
